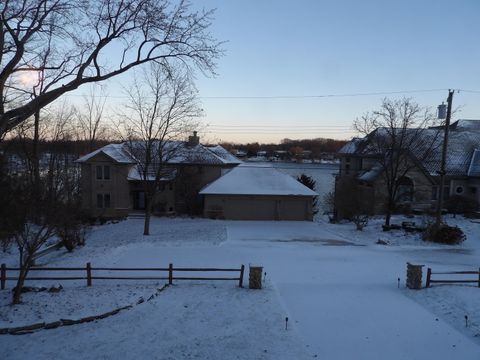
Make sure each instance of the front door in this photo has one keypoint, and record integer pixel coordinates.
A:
(139, 200)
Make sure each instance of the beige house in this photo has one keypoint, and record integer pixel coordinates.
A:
(254, 193)
(112, 183)
(361, 176)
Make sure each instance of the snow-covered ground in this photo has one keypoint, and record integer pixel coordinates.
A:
(338, 288)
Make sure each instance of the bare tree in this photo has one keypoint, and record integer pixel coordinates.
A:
(86, 41)
(91, 124)
(162, 109)
(399, 140)
(55, 211)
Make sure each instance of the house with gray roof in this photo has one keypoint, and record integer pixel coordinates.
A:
(362, 170)
(112, 180)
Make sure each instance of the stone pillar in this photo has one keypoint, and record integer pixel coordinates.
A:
(255, 277)
(414, 276)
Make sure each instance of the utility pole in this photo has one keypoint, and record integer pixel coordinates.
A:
(442, 171)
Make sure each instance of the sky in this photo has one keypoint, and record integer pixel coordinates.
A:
(296, 51)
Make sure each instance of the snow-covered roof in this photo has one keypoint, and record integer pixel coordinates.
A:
(174, 152)
(464, 138)
(117, 152)
(351, 147)
(136, 174)
(474, 168)
(244, 180)
(224, 154)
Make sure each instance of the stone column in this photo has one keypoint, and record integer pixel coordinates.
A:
(255, 277)
(414, 276)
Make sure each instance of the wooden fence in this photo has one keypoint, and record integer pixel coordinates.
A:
(89, 275)
(452, 281)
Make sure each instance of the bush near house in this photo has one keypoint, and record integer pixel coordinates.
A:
(444, 234)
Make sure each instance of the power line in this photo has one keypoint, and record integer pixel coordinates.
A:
(315, 96)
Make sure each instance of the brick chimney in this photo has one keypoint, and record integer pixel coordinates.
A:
(193, 140)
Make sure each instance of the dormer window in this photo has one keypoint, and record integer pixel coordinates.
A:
(103, 172)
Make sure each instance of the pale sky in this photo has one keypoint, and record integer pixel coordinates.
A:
(311, 48)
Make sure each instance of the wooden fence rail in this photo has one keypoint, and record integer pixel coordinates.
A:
(452, 281)
(90, 275)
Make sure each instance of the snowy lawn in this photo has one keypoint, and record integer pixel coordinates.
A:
(342, 301)
(187, 321)
(72, 302)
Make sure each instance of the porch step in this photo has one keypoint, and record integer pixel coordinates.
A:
(136, 216)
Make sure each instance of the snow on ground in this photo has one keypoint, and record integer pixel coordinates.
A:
(72, 302)
(187, 321)
(341, 299)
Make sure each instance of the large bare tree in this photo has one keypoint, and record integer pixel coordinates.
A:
(161, 110)
(86, 41)
(399, 138)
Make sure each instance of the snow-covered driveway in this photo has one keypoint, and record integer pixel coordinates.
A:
(344, 300)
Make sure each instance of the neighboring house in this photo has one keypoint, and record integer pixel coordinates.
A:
(249, 193)
(112, 184)
(360, 172)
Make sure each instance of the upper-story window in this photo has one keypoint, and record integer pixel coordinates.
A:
(103, 172)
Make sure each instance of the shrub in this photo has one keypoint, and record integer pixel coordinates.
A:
(360, 221)
(458, 204)
(444, 234)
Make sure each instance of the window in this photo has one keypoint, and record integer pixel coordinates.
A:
(473, 190)
(99, 172)
(103, 201)
(446, 192)
(106, 172)
(434, 192)
(106, 201)
(100, 201)
(103, 172)
(405, 189)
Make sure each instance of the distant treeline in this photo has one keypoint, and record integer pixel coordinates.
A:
(73, 147)
(318, 147)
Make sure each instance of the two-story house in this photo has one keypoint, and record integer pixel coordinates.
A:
(362, 174)
(112, 182)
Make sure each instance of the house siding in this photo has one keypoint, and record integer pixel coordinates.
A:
(117, 186)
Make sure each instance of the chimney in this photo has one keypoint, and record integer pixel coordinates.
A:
(193, 140)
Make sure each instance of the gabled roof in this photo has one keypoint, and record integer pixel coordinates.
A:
(244, 180)
(227, 157)
(117, 152)
(174, 152)
(464, 138)
(474, 168)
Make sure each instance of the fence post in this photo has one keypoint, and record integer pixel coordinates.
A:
(170, 274)
(89, 274)
(4, 276)
(240, 281)
(429, 276)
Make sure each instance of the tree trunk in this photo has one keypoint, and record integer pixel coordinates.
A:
(36, 165)
(17, 293)
(388, 216)
(146, 225)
